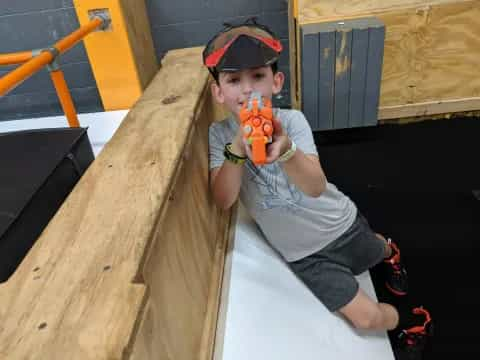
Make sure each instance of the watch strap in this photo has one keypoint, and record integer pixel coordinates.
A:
(232, 157)
(287, 155)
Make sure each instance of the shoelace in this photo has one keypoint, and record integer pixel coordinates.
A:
(394, 259)
(418, 333)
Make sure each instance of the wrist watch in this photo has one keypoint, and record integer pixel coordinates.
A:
(230, 156)
(287, 155)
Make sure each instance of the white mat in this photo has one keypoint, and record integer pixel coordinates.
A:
(101, 125)
(270, 314)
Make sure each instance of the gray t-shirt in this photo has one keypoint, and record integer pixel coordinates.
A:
(295, 224)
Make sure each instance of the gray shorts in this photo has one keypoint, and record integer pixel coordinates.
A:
(329, 273)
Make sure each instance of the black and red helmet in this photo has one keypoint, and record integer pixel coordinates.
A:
(243, 46)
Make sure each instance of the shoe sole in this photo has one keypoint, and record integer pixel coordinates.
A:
(396, 292)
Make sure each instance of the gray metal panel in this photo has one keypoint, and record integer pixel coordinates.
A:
(349, 79)
(344, 25)
(326, 80)
(358, 77)
(343, 57)
(374, 73)
(310, 78)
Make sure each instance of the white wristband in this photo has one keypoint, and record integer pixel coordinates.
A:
(289, 153)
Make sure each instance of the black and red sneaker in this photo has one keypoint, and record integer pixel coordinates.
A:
(396, 275)
(410, 343)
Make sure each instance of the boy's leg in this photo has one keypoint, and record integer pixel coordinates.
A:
(388, 249)
(365, 313)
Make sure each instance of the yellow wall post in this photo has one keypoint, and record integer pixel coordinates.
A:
(122, 57)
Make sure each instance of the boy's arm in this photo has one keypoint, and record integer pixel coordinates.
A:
(305, 172)
(225, 181)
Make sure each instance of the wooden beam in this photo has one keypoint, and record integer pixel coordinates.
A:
(130, 266)
(312, 11)
(225, 290)
(293, 56)
(428, 108)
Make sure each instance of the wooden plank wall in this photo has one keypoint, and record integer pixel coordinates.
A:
(431, 51)
(130, 267)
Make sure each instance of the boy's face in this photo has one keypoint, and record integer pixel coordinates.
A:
(234, 88)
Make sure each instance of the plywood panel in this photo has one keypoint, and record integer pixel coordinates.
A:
(140, 36)
(320, 10)
(85, 289)
(185, 264)
(431, 49)
(430, 54)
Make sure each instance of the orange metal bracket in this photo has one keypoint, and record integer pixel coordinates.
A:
(64, 97)
(20, 74)
(47, 57)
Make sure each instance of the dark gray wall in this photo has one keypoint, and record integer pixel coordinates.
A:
(26, 24)
(185, 23)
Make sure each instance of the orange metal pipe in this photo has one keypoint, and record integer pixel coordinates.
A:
(20, 74)
(71, 40)
(64, 97)
(15, 58)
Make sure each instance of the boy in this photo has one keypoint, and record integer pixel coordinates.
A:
(290, 194)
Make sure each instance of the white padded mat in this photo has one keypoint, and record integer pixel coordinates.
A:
(270, 314)
(101, 125)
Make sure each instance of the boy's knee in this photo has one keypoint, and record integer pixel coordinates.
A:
(368, 319)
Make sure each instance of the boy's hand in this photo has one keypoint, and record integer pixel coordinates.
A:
(279, 145)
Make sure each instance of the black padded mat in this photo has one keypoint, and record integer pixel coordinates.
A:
(417, 183)
(38, 170)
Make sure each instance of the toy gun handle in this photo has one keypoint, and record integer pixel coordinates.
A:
(256, 118)
(259, 147)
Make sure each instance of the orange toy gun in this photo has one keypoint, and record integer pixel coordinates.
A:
(256, 119)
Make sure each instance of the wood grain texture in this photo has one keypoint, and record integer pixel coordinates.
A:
(293, 41)
(323, 10)
(134, 240)
(431, 48)
(140, 37)
(184, 269)
(430, 53)
(429, 108)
